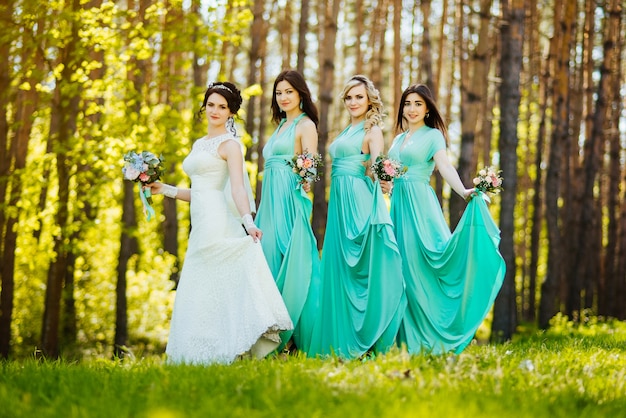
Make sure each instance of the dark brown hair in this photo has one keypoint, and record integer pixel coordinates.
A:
(433, 117)
(297, 82)
(228, 91)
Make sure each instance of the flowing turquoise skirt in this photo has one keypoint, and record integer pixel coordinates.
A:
(362, 292)
(290, 246)
(452, 280)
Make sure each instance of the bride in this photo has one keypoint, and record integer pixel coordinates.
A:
(227, 304)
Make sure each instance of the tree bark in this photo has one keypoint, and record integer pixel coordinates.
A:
(7, 282)
(559, 57)
(397, 56)
(137, 74)
(474, 93)
(512, 35)
(64, 110)
(327, 82)
(303, 28)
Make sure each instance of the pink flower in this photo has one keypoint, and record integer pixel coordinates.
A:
(307, 163)
(143, 177)
(389, 170)
(299, 163)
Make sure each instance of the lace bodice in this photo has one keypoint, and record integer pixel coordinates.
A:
(204, 165)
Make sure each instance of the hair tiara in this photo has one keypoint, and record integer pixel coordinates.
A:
(220, 86)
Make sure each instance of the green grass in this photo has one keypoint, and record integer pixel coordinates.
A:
(570, 371)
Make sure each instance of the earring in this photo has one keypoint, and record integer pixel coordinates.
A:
(230, 125)
(427, 115)
(301, 105)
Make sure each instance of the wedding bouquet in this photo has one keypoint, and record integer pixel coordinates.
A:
(306, 166)
(388, 169)
(488, 180)
(143, 168)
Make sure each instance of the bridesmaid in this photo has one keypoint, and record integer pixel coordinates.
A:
(285, 210)
(451, 279)
(362, 293)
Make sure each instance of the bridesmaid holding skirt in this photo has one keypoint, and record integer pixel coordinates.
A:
(451, 279)
(362, 293)
(285, 210)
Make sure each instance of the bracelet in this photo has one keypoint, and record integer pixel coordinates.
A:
(169, 191)
(248, 222)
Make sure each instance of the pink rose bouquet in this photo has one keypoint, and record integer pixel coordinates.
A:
(388, 169)
(488, 180)
(306, 165)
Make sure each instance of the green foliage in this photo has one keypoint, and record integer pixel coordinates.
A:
(550, 374)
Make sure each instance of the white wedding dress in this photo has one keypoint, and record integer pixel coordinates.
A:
(227, 304)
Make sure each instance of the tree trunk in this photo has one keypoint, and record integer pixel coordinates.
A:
(7, 280)
(303, 28)
(559, 58)
(537, 208)
(327, 82)
(474, 93)
(609, 81)
(512, 35)
(257, 38)
(65, 110)
(440, 49)
(397, 56)
(360, 23)
(377, 42)
(425, 56)
(266, 87)
(137, 74)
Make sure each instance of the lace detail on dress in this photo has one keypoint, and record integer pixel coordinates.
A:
(210, 145)
(227, 302)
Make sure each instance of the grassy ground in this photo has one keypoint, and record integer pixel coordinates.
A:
(566, 372)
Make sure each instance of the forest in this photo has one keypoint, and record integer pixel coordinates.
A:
(533, 87)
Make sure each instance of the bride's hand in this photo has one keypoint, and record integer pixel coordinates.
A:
(155, 188)
(255, 233)
(306, 186)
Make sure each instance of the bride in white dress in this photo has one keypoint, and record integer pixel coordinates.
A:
(227, 304)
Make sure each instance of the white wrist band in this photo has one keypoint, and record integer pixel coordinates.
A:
(169, 191)
(247, 221)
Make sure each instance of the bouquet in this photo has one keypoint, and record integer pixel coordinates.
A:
(143, 168)
(306, 166)
(488, 180)
(388, 169)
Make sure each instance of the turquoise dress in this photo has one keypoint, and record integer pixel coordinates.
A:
(362, 296)
(288, 242)
(451, 279)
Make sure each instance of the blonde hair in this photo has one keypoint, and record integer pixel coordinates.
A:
(374, 115)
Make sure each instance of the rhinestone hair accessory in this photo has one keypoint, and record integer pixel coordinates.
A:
(220, 86)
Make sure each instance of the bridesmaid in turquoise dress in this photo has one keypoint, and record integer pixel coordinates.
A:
(285, 209)
(362, 293)
(451, 279)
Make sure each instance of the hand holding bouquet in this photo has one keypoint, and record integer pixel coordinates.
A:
(143, 168)
(388, 169)
(307, 165)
